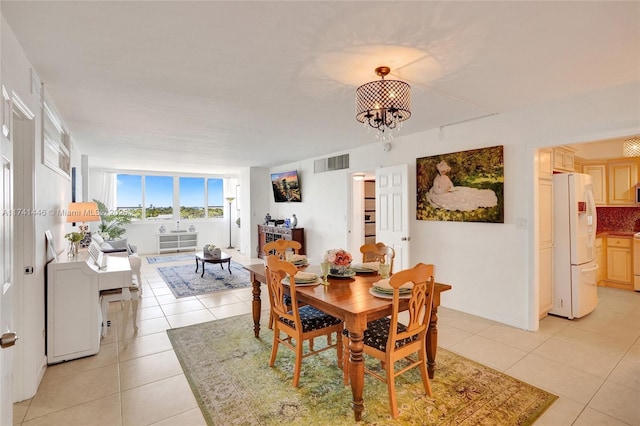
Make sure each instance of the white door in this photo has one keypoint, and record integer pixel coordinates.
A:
(6, 260)
(392, 211)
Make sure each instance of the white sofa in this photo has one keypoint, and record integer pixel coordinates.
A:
(120, 247)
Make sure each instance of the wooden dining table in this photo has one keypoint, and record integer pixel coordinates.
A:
(350, 300)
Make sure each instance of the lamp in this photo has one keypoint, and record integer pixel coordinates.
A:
(358, 176)
(230, 200)
(383, 104)
(83, 212)
(80, 212)
(631, 147)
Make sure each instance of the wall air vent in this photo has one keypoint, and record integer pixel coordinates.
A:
(329, 164)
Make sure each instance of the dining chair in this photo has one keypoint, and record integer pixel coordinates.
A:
(279, 248)
(390, 341)
(378, 252)
(298, 323)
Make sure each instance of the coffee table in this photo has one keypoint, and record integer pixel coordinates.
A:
(207, 258)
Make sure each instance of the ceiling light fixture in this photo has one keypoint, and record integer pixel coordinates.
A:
(631, 147)
(383, 104)
(358, 176)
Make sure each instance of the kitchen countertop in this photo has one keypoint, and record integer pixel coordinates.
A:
(628, 234)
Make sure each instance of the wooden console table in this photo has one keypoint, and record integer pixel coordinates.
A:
(269, 233)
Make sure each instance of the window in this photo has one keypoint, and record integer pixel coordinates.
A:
(158, 197)
(56, 143)
(152, 197)
(129, 195)
(191, 198)
(214, 201)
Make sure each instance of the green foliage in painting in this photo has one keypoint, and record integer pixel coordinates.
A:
(479, 168)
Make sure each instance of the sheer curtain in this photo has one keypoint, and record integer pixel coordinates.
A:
(106, 189)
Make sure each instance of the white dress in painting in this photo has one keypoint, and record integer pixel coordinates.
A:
(444, 195)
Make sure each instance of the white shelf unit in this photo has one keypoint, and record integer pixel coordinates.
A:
(177, 241)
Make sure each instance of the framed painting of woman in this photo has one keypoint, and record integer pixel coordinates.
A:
(464, 186)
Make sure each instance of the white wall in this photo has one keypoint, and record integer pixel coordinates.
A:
(48, 192)
(491, 266)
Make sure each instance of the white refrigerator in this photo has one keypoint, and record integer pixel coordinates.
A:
(575, 291)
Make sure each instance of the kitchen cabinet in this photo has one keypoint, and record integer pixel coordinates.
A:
(601, 261)
(563, 159)
(619, 260)
(623, 176)
(598, 173)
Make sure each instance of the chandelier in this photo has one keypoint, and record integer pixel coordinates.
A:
(631, 147)
(383, 104)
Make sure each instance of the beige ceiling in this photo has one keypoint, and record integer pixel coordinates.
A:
(211, 86)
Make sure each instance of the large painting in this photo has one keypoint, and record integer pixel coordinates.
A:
(465, 186)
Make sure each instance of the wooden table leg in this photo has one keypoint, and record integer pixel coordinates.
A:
(356, 372)
(256, 305)
(228, 266)
(432, 341)
(202, 275)
(197, 264)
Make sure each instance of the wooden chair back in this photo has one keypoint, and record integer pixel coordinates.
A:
(378, 252)
(280, 247)
(289, 321)
(402, 340)
(276, 270)
(420, 304)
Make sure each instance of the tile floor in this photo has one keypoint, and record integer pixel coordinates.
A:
(592, 363)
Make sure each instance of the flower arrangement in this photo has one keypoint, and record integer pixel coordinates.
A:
(74, 237)
(338, 257)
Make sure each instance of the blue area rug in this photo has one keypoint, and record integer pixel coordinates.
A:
(174, 258)
(184, 281)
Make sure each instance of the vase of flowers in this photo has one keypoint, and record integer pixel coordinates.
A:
(74, 239)
(340, 261)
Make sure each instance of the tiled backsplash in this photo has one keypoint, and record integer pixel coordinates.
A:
(618, 219)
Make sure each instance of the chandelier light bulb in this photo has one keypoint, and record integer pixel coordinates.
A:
(383, 104)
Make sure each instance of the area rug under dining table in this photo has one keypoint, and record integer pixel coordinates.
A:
(228, 370)
(184, 281)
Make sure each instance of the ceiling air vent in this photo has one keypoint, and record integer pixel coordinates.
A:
(338, 162)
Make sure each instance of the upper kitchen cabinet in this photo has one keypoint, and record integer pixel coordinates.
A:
(563, 159)
(598, 173)
(623, 176)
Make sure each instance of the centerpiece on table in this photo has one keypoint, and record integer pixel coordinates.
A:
(213, 251)
(340, 261)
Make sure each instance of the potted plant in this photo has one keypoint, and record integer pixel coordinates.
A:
(111, 222)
